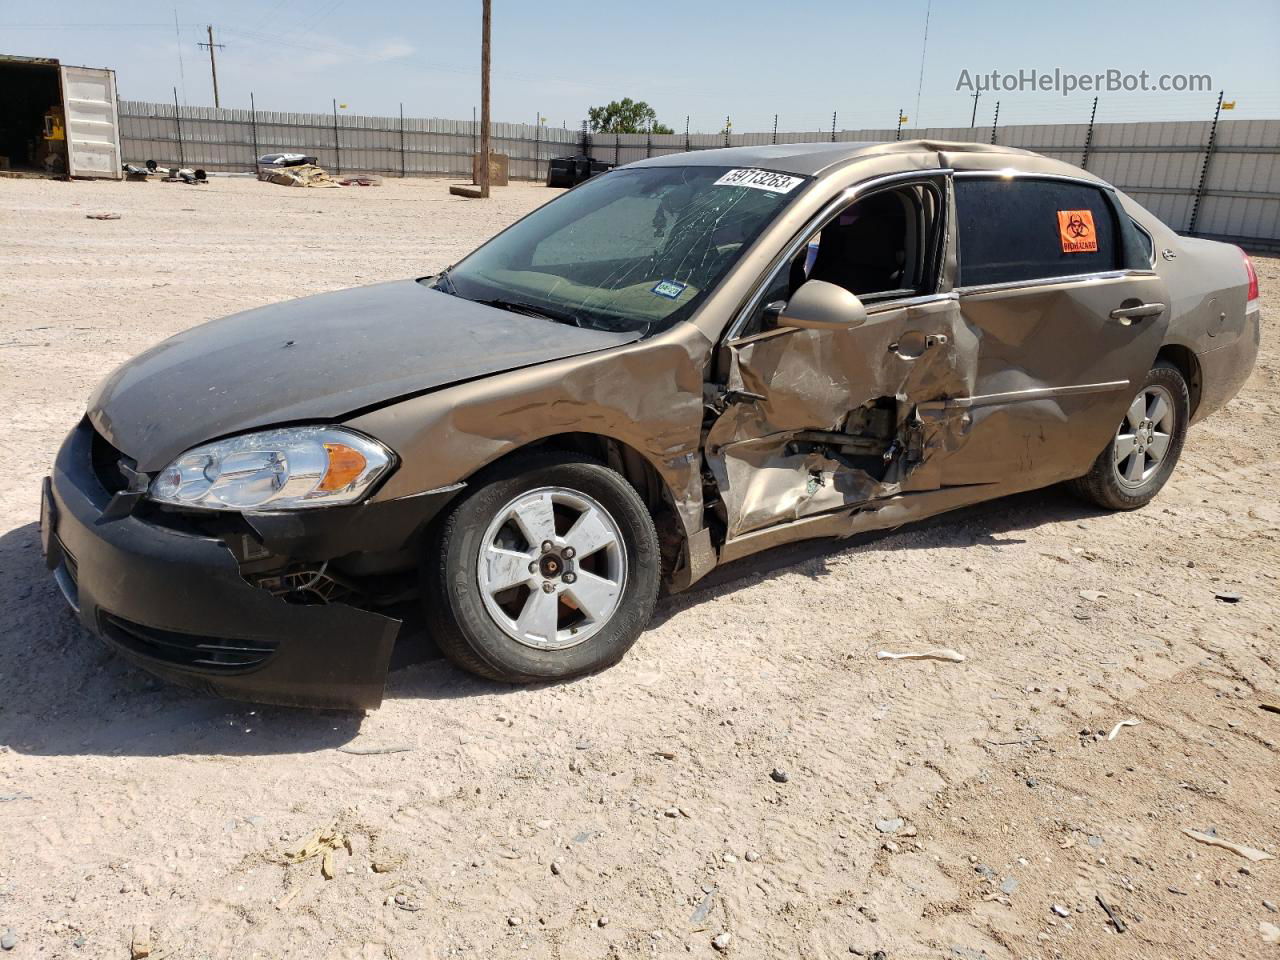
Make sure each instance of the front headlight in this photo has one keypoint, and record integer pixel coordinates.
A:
(285, 469)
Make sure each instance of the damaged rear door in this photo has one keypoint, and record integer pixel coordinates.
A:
(818, 419)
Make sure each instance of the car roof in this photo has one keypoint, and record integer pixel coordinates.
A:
(815, 159)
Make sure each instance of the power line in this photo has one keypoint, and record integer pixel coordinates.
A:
(182, 73)
(923, 48)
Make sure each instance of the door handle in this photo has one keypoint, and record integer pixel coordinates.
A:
(1136, 311)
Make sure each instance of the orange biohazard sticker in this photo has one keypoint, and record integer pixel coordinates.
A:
(1075, 229)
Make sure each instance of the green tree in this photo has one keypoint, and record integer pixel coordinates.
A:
(625, 116)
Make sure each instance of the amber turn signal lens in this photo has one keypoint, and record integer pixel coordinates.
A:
(345, 466)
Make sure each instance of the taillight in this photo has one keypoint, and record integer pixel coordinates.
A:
(1252, 274)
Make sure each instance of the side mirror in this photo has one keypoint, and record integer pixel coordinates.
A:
(818, 305)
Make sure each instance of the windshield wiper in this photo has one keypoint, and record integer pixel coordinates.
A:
(529, 310)
(443, 283)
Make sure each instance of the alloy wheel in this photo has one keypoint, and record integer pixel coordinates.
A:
(552, 568)
(1144, 436)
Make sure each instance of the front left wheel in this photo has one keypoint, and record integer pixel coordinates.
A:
(548, 569)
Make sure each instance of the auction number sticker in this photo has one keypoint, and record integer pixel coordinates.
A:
(760, 180)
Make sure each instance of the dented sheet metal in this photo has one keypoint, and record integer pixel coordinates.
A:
(767, 468)
(646, 396)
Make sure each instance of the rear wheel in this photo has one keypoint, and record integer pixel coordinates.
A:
(1146, 446)
(548, 569)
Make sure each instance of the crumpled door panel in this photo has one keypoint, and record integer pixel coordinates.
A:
(799, 433)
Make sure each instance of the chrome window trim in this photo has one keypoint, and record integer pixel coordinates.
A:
(817, 222)
(1014, 174)
(885, 306)
(982, 288)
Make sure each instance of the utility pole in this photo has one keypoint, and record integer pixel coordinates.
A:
(484, 98)
(213, 64)
(973, 118)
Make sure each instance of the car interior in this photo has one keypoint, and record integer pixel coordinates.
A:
(881, 247)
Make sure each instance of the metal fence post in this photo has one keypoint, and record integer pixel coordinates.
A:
(617, 147)
(1088, 137)
(253, 121)
(775, 128)
(1204, 170)
(995, 122)
(402, 168)
(537, 153)
(337, 147)
(898, 135)
(687, 146)
(728, 125)
(648, 140)
(177, 122)
(833, 126)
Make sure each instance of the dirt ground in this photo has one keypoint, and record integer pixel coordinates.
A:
(931, 809)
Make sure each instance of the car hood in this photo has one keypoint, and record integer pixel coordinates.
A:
(318, 358)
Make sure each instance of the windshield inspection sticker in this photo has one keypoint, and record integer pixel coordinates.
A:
(760, 180)
(1075, 229)
(671, 289)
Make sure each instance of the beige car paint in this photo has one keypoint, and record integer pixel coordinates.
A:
(1001, 401)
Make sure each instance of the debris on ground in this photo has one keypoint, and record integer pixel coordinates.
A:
(285, 160)
(1131, 722)
(359, 751)
(1111, 913)
(1270, 932)
(1093, 596)
(184, 175)
(940, 653)
(465, 190)
(778, 775)
(1227, 597)
(8, 939)
(360, 180)
(321, 843)
(140, 942)
(700, 913)
(1249, 853)
(102, 216)
(1061, 911)
(1270, 707)
(302, 175)
(721, 941)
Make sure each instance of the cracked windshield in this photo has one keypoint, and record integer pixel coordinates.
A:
(635, 250)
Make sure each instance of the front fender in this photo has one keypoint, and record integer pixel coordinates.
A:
(647, 395)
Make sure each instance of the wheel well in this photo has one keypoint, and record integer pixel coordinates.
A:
(1185, 360)
(638, 471)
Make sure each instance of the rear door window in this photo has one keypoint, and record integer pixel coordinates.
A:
(1020, 229)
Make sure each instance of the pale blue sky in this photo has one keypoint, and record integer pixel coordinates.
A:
(747, 59)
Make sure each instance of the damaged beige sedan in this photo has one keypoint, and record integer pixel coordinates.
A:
(679, 363)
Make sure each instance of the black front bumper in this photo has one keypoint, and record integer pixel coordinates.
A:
(175, 603)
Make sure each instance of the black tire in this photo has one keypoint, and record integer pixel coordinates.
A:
(1102, 486)
(456, 615)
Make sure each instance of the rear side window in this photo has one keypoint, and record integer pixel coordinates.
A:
(1023, 229)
